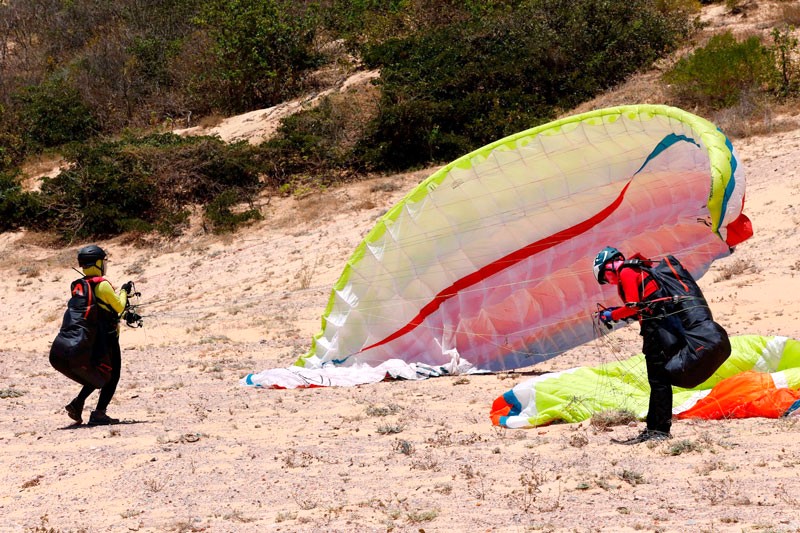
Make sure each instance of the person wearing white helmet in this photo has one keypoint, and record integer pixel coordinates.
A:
(93, 260)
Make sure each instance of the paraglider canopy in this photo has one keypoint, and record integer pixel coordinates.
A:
(489, 260)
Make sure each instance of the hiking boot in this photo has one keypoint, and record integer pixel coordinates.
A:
(645, 435)
(74, 410)
(100, 418)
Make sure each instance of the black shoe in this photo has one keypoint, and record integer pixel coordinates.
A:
(74, 410)
(100, 418)
(646, 435)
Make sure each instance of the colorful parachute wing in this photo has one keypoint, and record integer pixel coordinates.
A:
(760, 378)
(488, 260)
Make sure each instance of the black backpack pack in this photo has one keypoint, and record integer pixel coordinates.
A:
(681, 327)
(75, 352)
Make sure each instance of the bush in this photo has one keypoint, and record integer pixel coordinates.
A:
(52, 114)
(449, 90)
(320, 142)
(784, 47)
(12, 148)
(716, 75)
(140, 184)
(221, 217)
(263, 49)
(17, 207)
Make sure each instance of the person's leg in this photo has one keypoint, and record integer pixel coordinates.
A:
(99, 416)
(74, 408)
(659, 413)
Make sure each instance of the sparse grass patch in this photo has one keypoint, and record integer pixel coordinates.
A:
(375, 410)
(715, 491)
(416, 517)
(155, 485)
(737, 267)
(426, 461)
(613, 417)
(443, 488)
(283, 516)
(29, 271)
(237, 516)
(631, 477)
(296, 459)
(476, 484)
(578, 440)
(306, 502)
(683, 446)
(403, 446)
(390, 429)
(11, 393)
(136, 268)
(384, 186)
(306, 273)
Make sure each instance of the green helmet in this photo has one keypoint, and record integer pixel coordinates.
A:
(605, 256)
(89, 255)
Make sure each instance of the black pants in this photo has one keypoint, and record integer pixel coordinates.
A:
(108, 390)
(659, 412)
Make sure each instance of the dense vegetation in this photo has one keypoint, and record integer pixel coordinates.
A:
(80, 78)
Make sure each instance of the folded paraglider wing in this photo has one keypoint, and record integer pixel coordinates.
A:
(488, 261)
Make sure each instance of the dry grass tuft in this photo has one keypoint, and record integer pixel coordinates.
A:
(613, 417)
(737, 267)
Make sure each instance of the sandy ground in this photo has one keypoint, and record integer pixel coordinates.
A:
(198, 452)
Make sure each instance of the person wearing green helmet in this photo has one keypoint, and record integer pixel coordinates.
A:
(110, 305)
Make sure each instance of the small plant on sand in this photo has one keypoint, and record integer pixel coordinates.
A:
(715, 491)
(737, 267)
(379, 410)
(154, 485)
(427, 461)
(390, 429)
(631, 477)
(683, 446)
(416, 517)
(306, 502)
(476, 481)
(403, 446)
(306, 274)
(283, 516)
(612, 417)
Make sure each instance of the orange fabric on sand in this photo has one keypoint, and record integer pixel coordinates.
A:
(745, 395)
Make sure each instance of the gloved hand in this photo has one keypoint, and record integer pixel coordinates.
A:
(128, 287)
(132, 319)
(605, 316)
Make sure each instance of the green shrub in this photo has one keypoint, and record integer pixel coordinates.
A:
(455, 88)
(141, 184)
(320, 142)
(221, 217)
(263, 49)
(716, 75)
(53, 113)
(12, 148)
(17, 207)
(784, 47)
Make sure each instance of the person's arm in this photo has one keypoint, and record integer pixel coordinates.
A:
(116, 301)
(629, 279)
